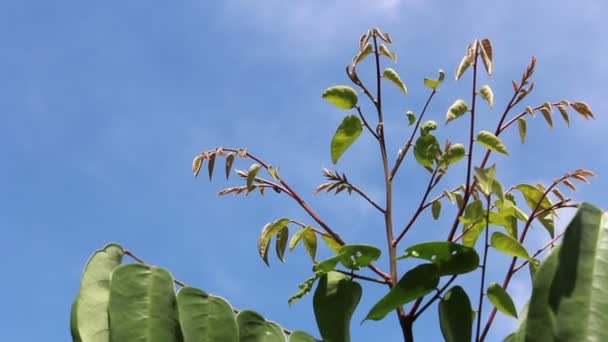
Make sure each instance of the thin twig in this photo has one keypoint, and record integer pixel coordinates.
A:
(365, 123)
(484, 266)
(551, 243)
(362, 277)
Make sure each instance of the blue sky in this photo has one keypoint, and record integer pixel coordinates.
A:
(104, 105)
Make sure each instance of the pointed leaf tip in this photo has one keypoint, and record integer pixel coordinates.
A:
(349, 130)
(391, 75)
(342, 96)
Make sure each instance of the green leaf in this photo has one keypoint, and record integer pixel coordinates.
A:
(449, 257)
(274, 172)
(89, 317)
(334, 303)
(344, 97)
(411, 118)
(533, 266)
(486, 93)
(427, 127)
(472, 232)
(331, 243)
(486, 55)
(310, 241)
(74, 321)
(269, 230)
(304, 288)
(427, 148)
(501, 300)
(253, 172)
(455, 316)
(229, 162)
(143, 305)
(348, 131)
(300, 336)
(391, 75)
(492, 142)
(211, 164)
(569, 300)
(506, 244)
(416, 283)
(350, 256)
(433, 84)
(521, 124)
(384, 51)
(436, 209)
(254, 328)
(485, 178)
(465, 63)
(453, 154)
(456, 110)
(473, 212)
(281, 242)
(205, 318)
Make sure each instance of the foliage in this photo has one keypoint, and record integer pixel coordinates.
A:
(482, 207)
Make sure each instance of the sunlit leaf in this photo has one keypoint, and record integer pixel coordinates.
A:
(521, 124)
(492, 142)
(281, 242)
(436, 209)
(348, 131)
(485, 178)
(384, 51)
(546, 112)
(266, 235)
(427, 148)
(366, 51)
(197, 162)
(411, 118)
(564, 113)
(453, 154)
(506, 244)
(472, 232)
(456, 110)
(251, 174)
(486, 93)
(391, 75)
(432, 83)
(487, 55)
(382, 35)
(414, 284)
(501, 300)
(583, 109)
(465, 63)
(473, 212)
(300, 336)
(353, 256)
(364, 39)
(344, 97)
(331, 243)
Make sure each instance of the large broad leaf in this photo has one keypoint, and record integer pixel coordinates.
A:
(455, 315)
(89, 317)
(334, 302)
(450, 258)
(416, 283)
(342, 96)
(143, 305)
(254, 328)
(569, 299)
(346, 134)
(205, 318)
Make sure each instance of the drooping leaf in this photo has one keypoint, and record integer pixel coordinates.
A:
(473, 212)
(353, 256)
(304, 288)
(427, 148)
(143, 305)
(211, 164)
(254, 328)
(583, 109)
(492, 142)
(414, 284)
(486, 93)
(197, 162)
(384, 51)
(229, 162)
(334, 303)
(274, 172)
(309, 238)
(521, 124)
(251, 174)
(364, 39)
(300, 336)
(411, 118)
(281, 242)
(472, 232)
(266, 235)
(331, 243)
(427, 127)
(449, 257)
(348, 131)
(506, 244)
(205, 318)
(432, 83)
(382, 35)
(501, 300)
(485, 178)
(367, 49)
(436, 209)
(487, 55)
(453, 154)
(391, 75)
(89, 318)
(546, 112)
(465, 63)
(564, 113)
(344, 97)
(456, 110)
(455, 316)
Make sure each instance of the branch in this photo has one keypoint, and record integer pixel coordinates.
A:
(551, 243)
(365, 123)
(362, 277)
(483, 267)
(437, 295)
